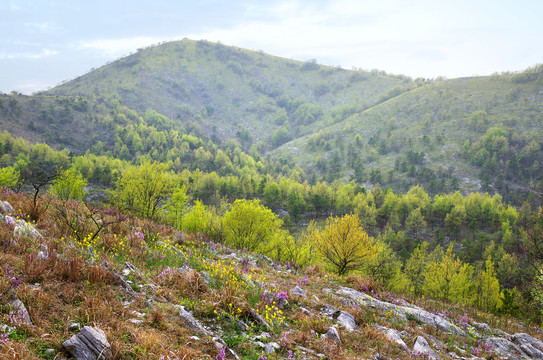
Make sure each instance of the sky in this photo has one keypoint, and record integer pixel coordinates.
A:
(45, 42)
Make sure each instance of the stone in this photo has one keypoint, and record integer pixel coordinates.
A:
(504, 347)
(89, 344)
(393, 336)
(42, 256)
(333, 335)
(347, 320)
(422, 347)
(5, 208)
(298, 291)
(194, 337)
(190, 321)
(402, 312)
(529, 345)
(135, 321)
(329, 310)
(18, 306)
(269, 348)
(74, 326)
(305, 311)
(482, 327)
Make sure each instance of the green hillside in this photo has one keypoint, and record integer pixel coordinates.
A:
(228, 92)
(472, 134)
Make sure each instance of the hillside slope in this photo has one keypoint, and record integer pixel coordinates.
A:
(471, 134)
(148, 291)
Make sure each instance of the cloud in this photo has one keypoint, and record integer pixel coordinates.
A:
(28, 55)
(120, 46)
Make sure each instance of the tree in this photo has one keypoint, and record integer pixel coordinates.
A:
(143, 188)
(488, 288)
(175, 206)
(249, 225)
(449, 279)
(343, 243)
(9, 177)
(415, 222)
(69, 184)
(415, 267)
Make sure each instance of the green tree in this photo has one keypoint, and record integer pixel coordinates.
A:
(344, 244)
(141, 189)
(69, 184)
(449, 279)
(249, 225)
(488, 296)
(9, 177)
(175, 207)
(415, 268)
(415, 222)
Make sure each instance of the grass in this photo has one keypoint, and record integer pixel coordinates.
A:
(73, 285)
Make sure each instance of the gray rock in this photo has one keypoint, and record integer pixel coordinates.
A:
(42, 256)
(421, 346)
(135, 321)
(347, 320)
(90, 344)
(333, 335)
(401, 311)
(329, 310)
(393, 336)
(22, 312)
(482, 327)
(271, 347)
(194, 337)
(190, 321)
(529, 345)
(305, 311)
(504, 347)
(74, 327)
(5, 208)
(523, 339)
(261, 344)
(298, 291)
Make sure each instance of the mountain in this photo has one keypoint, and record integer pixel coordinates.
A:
(228, 92)
(468, 134)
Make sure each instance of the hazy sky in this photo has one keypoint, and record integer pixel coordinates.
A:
(45, 42)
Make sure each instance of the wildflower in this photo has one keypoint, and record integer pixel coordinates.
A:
(222, 354)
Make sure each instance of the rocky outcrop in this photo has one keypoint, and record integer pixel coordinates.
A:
(5, 208)
(90, 344)
(333, 335)
(403, 312)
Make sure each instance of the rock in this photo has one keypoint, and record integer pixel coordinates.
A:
(422, 347)
(22, 312)
(260, 344)
(504, 347)
(74, 327)
(90, 344)
(5, 208)
(435, 341)
(305, 311)
(271, 347)
(523, 338)
(333, 335)
(393, 336)
(24, 229)
(347, 320)
(190, 321)
(194, 337)
(529, 345)
(260, 319)
(329, 310)
(135, 321)
(298, 291)
(50, 352)
(242, 325)
(482, 327)
(401, 311)
(501, 333)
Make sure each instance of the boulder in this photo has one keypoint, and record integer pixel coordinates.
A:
(22, 312)
(347, 320)
(5, 208)
(403, 312)
(89, 344)
(333, 335)
(504, 347)
(393, 336)
(529, 345)
(190, 321)
(298, 291)
(422, 347)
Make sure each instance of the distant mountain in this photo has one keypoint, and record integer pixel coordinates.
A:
(226, 92)
(467, 134)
